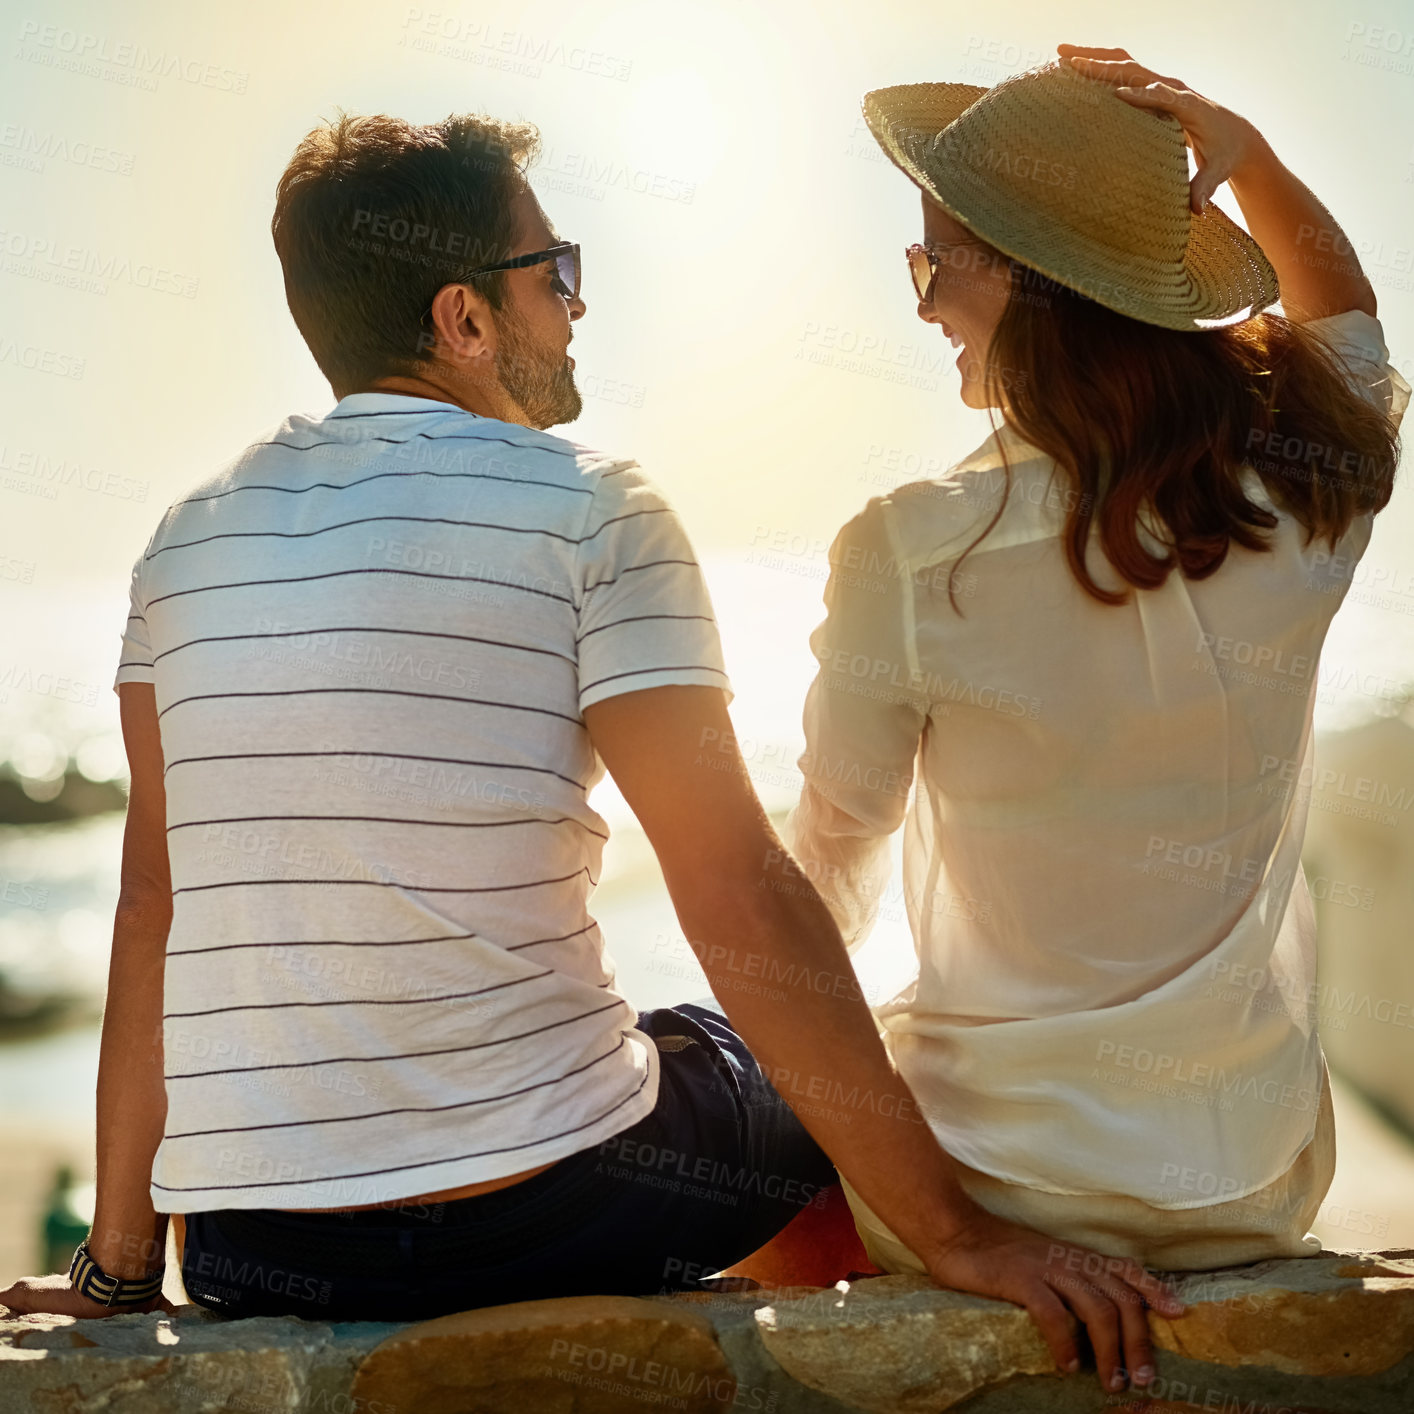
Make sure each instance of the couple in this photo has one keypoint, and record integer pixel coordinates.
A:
(362, 1031)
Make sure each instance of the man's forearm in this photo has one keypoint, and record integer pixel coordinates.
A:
(773, 954)
(818, 1042)
(129, 1235)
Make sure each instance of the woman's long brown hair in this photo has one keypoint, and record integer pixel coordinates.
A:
(1153, 422)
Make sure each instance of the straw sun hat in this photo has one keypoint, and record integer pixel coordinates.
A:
(1062, 174)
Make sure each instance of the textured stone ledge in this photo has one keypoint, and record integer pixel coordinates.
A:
(1329, 1335)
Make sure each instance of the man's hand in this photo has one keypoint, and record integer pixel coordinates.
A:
(54, 1294)
(1058, 1282)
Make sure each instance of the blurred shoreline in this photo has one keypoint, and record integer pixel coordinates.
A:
(59, 883)
(47, 1078)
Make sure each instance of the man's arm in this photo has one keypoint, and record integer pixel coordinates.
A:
(738, 893)
(129, 1235)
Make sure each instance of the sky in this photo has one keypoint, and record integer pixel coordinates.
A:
(750, 337)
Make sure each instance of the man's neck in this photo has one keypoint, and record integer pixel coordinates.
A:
(469, 399)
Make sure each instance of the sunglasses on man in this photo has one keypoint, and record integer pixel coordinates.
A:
(566, 258)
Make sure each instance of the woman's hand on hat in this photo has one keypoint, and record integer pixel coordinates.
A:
(1222, 142)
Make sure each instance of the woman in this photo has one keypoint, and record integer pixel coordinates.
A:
(1093, 643)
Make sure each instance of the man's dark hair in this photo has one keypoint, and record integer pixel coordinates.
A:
(374, 215)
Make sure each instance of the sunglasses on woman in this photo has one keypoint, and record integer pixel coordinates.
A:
(566, 258)
(923, 262)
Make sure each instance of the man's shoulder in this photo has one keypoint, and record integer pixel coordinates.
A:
(577, 461)
(343, 452)
(441, 437)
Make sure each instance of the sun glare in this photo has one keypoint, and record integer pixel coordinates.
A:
(674, 124)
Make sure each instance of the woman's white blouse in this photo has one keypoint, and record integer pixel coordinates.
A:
(1115, 987)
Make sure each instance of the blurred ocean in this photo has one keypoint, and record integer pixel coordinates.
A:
(59, 882)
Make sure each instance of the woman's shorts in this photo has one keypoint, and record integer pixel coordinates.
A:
(1274, 1221)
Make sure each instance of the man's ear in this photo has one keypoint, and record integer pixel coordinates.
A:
(464, 327)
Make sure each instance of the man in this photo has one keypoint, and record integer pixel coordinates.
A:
(373, 668)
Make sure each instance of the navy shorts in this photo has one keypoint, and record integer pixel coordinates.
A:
(719, 1167)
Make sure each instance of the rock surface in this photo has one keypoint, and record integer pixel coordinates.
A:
(586, 1354)
(190, 1363)
(1327, 1335)
(1333, 1316)
(898, 1345)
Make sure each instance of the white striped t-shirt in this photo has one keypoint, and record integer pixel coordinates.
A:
(372, 637)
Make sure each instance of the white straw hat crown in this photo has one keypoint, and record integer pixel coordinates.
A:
(1059, 172)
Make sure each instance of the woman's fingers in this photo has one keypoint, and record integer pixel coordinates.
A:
(1191, 111)
(1115, 71)
(1121, 70)
(1205, 125)
(1158, 93)
(1108, 64)
(1068, 51)
(1206, 180)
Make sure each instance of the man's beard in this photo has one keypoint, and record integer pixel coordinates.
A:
(540, 383)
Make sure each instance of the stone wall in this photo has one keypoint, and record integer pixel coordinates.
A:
(1333, 1333)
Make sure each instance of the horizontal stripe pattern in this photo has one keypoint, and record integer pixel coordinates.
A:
(371, 639)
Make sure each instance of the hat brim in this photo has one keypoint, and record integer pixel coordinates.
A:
(1225, 276)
